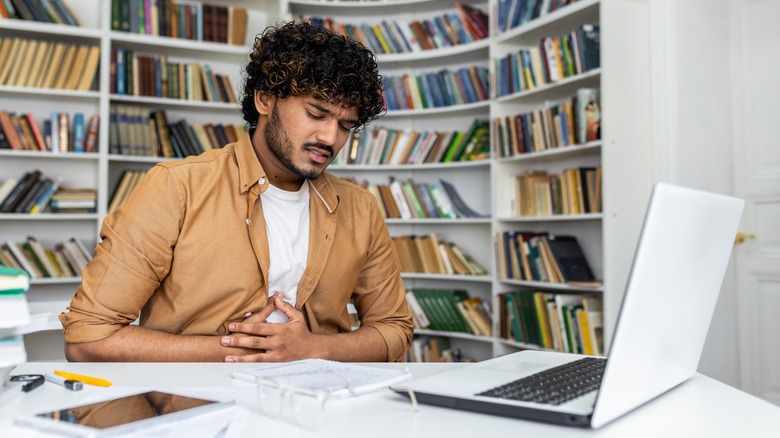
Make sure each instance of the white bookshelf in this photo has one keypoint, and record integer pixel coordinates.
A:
(608, 238)
(471, 179)
(101, 170)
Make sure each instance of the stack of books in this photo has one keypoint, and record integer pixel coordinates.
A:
(48, 64)
(43, 11)
(59, 133)
(74, 201)
(570, 323)
(136, 74)
(14, 314)
(449, 310)
(181, 19)
(382, 145)
(429, 254)
(35, 193)
(134, 130)
(66, 259)
(409, 200)
(541, 256)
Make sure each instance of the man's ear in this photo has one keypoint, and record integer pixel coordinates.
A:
(263, 103)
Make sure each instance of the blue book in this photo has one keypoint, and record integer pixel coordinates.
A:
(199, 21)
(433, 84)
(467, 85)
(79, 132)
(120, 71)
(390, 101)
(503, 11)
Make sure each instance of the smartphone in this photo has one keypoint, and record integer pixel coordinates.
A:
(121, 415)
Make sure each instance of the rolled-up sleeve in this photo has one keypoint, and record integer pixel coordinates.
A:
(380, 296)
(132, 259)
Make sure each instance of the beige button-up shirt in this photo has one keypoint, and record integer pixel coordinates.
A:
(188, 250)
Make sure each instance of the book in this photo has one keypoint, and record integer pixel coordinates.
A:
(570, 259)
(323, 378)
(20, 258)
(237, 23)
(13, 281)
(25, 184)
(6, 124)
(6, 187)
(39, 256)
(420, 318)
(458, 204)
(90, 69)
(588, 115)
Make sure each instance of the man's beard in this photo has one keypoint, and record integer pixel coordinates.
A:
(282, 148)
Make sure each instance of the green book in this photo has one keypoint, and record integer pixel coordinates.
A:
(13, 281)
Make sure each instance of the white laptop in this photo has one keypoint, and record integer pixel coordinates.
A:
(670, 297)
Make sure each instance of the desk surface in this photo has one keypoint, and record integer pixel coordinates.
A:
(701, 407)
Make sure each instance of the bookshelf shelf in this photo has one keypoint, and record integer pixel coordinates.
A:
(137, 159)
(45, 155)
(552, 154)
(472, 278)
(404, 167)
(554, 218)
(46, 29)
(476, 46)
(453, 335)
(434, 221)
(372, 4)
(47, 93)
(58, 280)
(483, 105)
(176, 103)
(560, 88)
(48, 217)
(562, 287)
(200, 48)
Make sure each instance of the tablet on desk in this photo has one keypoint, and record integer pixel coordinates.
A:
(121, 415)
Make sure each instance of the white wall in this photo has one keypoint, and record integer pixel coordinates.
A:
(692, 134)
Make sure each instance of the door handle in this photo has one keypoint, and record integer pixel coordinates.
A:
(742, 237)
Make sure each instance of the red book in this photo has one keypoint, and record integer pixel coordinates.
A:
(36, 133)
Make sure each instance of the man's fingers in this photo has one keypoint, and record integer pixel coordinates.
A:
(290, 311)
(259, 357)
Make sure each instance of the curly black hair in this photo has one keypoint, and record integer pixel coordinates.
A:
(300, 58)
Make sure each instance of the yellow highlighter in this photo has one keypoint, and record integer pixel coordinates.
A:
(81, 378)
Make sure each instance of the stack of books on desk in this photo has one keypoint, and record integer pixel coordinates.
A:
(14, 314)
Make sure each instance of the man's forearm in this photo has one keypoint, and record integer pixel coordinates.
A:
(362, 345)
(138, 344)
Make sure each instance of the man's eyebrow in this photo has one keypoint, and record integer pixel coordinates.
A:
(319, 107)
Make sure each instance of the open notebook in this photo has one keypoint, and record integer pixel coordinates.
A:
(669, 300)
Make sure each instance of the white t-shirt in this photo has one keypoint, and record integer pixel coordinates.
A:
(287, 225)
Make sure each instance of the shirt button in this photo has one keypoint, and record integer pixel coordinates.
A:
(261, 181)
(248, 221)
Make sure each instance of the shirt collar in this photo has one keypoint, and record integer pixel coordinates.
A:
(249, 169)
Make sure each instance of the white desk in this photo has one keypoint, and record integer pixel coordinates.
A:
(701, 407)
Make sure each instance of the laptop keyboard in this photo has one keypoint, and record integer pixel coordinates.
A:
(555, 385)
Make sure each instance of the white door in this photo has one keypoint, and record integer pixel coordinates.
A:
(756, 83)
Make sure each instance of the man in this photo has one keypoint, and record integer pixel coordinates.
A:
(252, 252)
